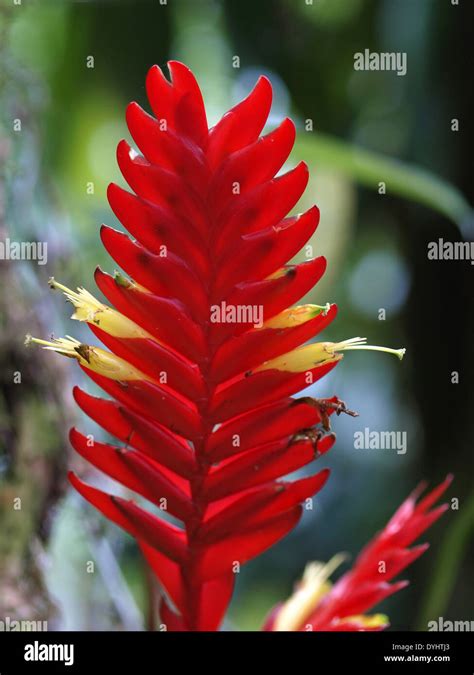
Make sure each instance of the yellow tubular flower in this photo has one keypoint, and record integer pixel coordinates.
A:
(295, 316)
(308, 594)
(91, 310)
(309, 356)
(367, 620)
(310, 590)
(96, 359)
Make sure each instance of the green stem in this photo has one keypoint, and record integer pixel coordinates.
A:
(447, 565)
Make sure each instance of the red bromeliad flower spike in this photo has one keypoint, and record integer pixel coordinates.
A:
(316, 605)
(205, 351)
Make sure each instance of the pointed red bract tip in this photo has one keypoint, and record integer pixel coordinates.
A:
(343, 606)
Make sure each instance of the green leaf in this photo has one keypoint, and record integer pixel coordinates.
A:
(369, 168)
(448, 562)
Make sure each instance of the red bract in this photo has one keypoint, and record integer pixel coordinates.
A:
(205, 352)
(316, 605)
